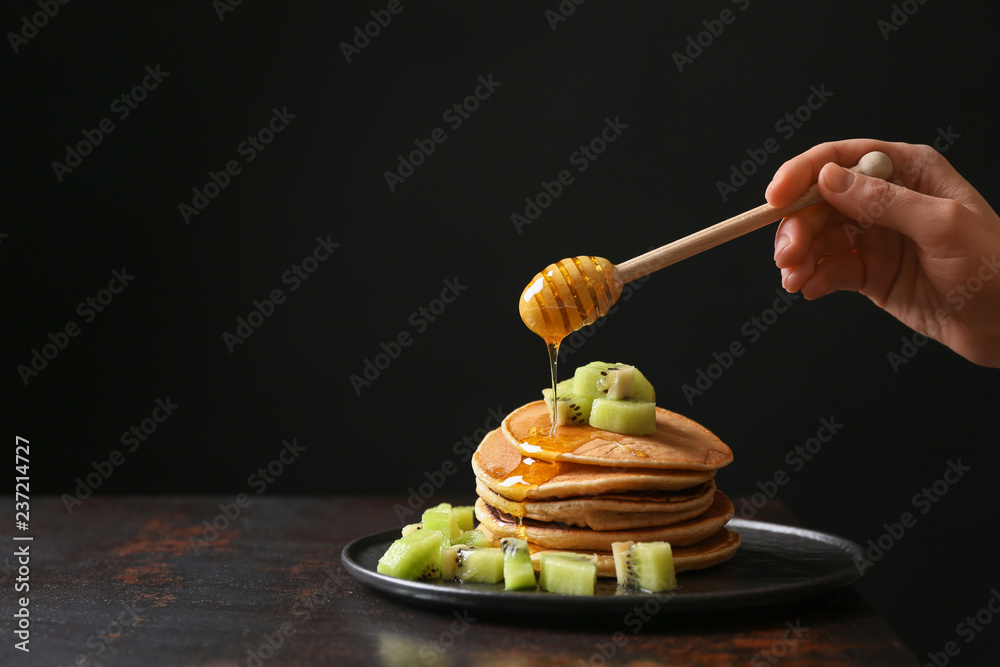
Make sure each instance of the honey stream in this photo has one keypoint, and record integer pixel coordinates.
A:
(564, 297)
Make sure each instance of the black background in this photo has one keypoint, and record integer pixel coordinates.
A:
(323, 176)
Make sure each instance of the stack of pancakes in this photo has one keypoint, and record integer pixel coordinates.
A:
(588, 488)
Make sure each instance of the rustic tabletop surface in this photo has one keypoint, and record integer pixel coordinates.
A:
(223, 581)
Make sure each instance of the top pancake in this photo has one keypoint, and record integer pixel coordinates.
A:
(678, 444)
(499, 465)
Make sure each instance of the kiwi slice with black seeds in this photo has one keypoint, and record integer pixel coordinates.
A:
(414, 557)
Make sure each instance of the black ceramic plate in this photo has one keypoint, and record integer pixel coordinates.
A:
(774, 564)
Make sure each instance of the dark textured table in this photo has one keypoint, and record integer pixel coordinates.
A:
(151, 581)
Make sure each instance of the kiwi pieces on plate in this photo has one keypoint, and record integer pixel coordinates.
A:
(472, 564)
(599, 379)
(646, 566)
(473, 538)
(518, 573)
(412, 527)
(628, 416)
(465, 517)
(619, 550)
(442, 519)
(568, 574)
(416, 556)
(571, 408)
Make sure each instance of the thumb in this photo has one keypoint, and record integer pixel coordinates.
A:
(873, 201)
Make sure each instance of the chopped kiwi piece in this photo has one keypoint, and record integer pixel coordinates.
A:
(571, 408)
(642, 388)
(465, 517)
(518, 573)
(602, 380)
(618, 550)
(411, 527)
(416, 556)
(599, 379)
(568, 574)
(562, 388)
(472, 565)
(473, 538)
(648, 566)
(442, 519)
(628, 416)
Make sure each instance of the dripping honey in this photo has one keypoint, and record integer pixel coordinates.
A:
(568, 295)
(532, 472)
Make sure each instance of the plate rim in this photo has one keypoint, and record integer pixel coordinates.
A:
(470, 596)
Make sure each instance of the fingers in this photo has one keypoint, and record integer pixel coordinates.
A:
(794, 176)
(928, 220)
(845, 271)
(795, 235)
(829, 241)
(917, 167)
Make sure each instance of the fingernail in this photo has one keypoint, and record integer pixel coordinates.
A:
(768, 190)
(784, 279)
(780, 245)
(837, 178)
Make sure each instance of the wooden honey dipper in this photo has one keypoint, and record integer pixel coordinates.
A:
(575, 292)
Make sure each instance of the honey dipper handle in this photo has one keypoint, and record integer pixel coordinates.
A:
(875, 164)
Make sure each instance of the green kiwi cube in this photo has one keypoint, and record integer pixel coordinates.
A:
(465, 517)
(518, 573)
(568, 574)
(599, 379)
(442, 519)
(571, 408)
(473, 538)
(620, 550)
(411, 527)
(472, 564)
(627, 416)
(650, 567)
(563, 389)
(416, 556)
(642, 388)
